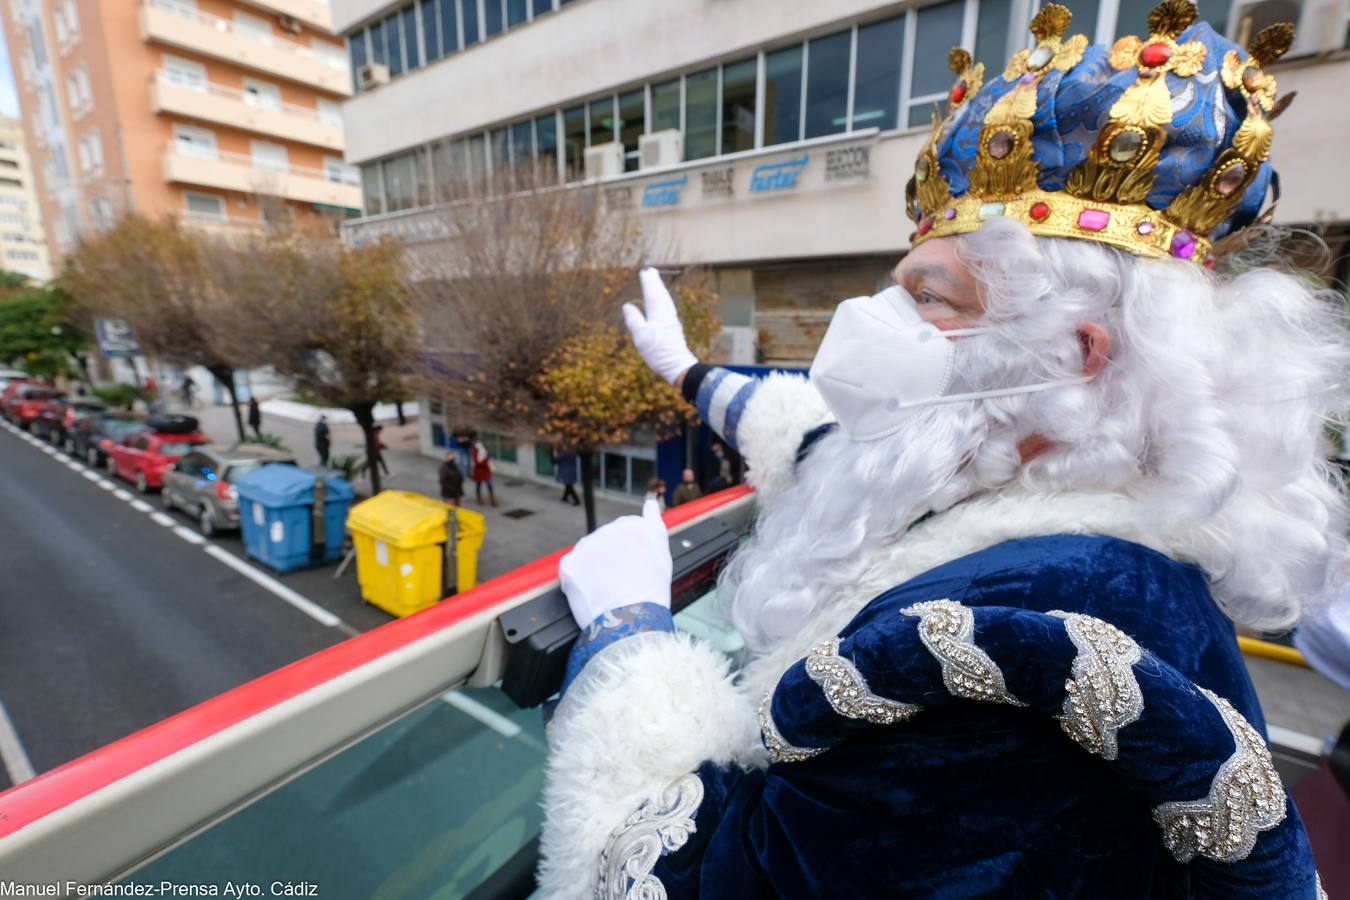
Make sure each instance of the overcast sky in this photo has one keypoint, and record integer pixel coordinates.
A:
(9, 100)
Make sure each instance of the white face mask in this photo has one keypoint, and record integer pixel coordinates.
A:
(880, 361)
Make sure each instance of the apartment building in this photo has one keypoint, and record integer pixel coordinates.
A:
(23, 245)
(225, 112)
(768, 141)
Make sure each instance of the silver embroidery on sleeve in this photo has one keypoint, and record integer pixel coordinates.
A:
(846, 689)
(661, 825)
(947, 629)
(779, 749)
(1245, 798)
(1321, 891)
(1103, 695)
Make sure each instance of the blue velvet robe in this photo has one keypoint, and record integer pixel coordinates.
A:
(977, 800)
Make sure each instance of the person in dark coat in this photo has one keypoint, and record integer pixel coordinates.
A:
(452, 480)
(380, 447)
(565, 472)
(322, 440)
(254, 416)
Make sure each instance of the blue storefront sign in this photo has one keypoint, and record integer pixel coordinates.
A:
(663, 193)
(779, 176)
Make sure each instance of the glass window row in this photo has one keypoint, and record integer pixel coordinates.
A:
(884, 74)
(424, 31)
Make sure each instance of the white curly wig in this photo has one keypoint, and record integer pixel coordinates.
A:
(1211, 413)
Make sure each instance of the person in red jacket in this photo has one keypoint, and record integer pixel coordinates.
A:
(482, 472)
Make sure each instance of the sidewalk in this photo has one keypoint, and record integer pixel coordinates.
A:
(528, 522)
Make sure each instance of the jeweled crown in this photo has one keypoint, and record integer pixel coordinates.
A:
(1159, 146)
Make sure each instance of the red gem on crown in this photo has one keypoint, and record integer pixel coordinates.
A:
(958, 92)
(1155, 54)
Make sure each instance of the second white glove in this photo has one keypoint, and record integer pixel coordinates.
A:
(625, 562)
(658, 335)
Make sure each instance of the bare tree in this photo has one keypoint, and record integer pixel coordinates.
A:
(159, 276)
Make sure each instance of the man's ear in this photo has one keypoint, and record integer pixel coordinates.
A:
(1096, 344)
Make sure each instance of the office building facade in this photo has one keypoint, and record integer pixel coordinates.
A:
(23, 244)
(223, 112)
(769, 142)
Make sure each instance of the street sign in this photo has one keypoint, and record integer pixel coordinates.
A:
(116, 340)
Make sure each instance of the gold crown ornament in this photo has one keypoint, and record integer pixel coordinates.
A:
(1158, 146)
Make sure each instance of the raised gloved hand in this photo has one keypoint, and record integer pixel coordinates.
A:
(658, 335)
(625, 562)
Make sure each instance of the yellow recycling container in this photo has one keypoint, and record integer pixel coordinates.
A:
(400, 549)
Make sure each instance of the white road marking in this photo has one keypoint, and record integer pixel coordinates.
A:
(304, 604)
(90, 475)
(141, 506)
(12, 754)
(123, 495)
(188, 535)
(1294, 740)
(73, 466)
(107, 485)
(489, 717)
(48, 449)
(160, 518)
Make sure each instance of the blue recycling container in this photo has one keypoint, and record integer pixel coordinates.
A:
(275, 516)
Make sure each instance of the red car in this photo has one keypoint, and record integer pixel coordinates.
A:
(24, 400)
(145, 456)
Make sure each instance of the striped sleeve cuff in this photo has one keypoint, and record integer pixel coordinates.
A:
(721, 397)
(611, 628)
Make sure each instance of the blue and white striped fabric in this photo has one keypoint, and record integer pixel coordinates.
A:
(721, 400)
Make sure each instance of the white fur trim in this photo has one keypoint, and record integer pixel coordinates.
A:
(643, 712)
(780, 412)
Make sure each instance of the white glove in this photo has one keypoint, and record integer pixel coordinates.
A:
(659, 337)
(625, 562)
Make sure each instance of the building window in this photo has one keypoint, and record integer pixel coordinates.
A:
(261, 95)
(501, 447)
(431, 32)
(449, 16)
(468, 16)
(190, 140)
(738, 106)
(268, 156)
(393, 45)
(411, 44)
(356, 46)
(522, 143)
(400, 191)
(492, 17)
(574, 139)
(186, 73)
(335, 170)
(204, 206)
(66, 19)
(938, 29)
(79, 95)
(377, 48)
(372, 184)
(827, 84)
(876, 82)
(546, 145)
(542, 6)
(1085, 18)
(992, 29)
(783, 75)
(666, 105)
(700, 114)
(600, 116)
(330, 113)
(253, 27)
(91, 153)
(632, 124)
(517, 13)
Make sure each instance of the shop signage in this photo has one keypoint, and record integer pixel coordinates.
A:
(779, 176)
(115, 339)
(663, 193)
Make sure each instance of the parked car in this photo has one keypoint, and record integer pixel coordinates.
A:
(59, 414)
(144, 457)
(91, 437)
(202, 483)
(10, 375)
(24, 400)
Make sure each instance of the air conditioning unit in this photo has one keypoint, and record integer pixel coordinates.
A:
(660, 148)
(372, 75)
(289, 23)
(604, 160)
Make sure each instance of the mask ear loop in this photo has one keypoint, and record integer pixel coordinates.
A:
(1001, 392)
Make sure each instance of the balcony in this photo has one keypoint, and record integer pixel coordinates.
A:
(176, 25)
(317, 13)
(229, 106)
(236, 172)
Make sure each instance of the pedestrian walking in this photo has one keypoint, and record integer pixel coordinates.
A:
(189, 390)
(565, 473)
(656, 490)
(323, 441)
(452, 479)
(482, 472)
(688, 489)
(254, 416)
(380, 447)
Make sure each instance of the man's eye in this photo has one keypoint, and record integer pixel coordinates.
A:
(929, 297)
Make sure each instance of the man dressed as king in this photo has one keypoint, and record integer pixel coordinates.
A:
(1005, 530)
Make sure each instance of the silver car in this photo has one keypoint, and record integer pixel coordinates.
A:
(202, 482)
